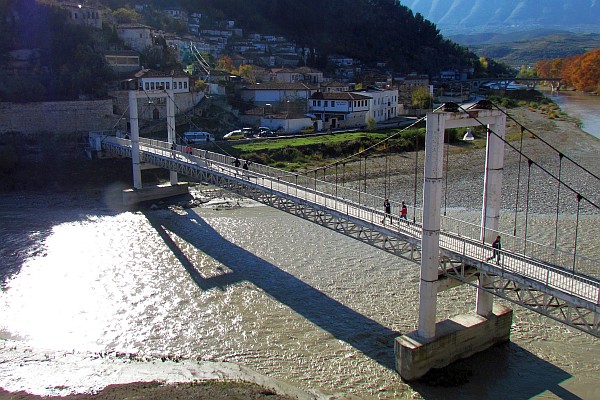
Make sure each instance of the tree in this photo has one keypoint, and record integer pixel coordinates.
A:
(421, 98)
(126, 15)
(225, 63)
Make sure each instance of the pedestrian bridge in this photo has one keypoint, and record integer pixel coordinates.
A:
(557, 284)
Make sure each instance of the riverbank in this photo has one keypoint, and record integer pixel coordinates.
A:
(162, 368)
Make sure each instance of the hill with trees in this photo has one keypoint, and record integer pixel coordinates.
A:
(581, 72)
(367, 30)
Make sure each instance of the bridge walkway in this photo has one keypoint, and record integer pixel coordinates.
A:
(559, 285)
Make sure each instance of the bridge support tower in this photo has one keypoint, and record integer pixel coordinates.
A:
(140, 193)
(437, 344)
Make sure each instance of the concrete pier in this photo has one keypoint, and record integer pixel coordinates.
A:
(134, 196)
(458, 337)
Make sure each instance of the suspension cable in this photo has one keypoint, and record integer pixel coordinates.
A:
(447, 138)
(518, 183)
(530, 163)
(547, 144)
(576, 232)
(536, 164)
(560, 158)
(416, 171)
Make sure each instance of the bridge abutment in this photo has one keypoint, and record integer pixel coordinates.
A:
(455, 338)
(134, 196)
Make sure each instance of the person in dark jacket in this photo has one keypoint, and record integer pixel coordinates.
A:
(497, 246)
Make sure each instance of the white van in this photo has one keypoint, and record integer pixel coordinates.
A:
(197, 137)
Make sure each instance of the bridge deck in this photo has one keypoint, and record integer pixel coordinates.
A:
(539, 273)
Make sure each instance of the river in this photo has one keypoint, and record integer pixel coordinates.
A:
(249, 285)
(585, 107)
(87, 288)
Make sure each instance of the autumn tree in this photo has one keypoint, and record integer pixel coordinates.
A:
(225, 63)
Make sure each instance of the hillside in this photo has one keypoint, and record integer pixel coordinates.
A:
(368, 30)
(526, 48)
(475, 16)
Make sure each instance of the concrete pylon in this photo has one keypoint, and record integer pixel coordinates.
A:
(430, 241)
(492, 201)
(135, 140)
(171, 134)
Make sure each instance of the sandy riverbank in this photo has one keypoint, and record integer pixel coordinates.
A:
(561, 133)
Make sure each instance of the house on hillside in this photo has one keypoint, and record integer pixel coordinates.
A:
(335, 86)
(261, 94)
(340, 109)
(177, 13)
(137, 36)
(302, 74)
(81, 14)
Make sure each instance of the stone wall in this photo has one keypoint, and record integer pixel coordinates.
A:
(57, 117)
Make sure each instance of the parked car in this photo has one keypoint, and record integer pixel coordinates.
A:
(234, 133)
(263, 131)
(248, 132)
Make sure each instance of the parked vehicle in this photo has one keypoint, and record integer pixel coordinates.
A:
(197, 137)
(263, 131)
(237, 132)
(248, 132)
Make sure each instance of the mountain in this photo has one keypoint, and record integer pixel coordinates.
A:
(516, 50)
(476, 16)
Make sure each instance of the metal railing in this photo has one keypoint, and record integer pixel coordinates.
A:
(544, 264)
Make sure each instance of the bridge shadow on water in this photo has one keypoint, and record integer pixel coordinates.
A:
(366, 335)
(505, 371)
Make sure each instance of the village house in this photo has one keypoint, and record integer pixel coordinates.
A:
(136, 36)
(334, 86)
(177, 13)
(81, 14)
(302, 74)
(383, 105)
(340, 109)
(261, 94)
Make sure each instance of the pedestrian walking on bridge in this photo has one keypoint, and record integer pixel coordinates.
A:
(497, 246)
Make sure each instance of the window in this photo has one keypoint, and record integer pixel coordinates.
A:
(180, 86)
(326, 103)
(168, 85)
(319, 103)
(185, 85)
(151, 85)
(146, 86)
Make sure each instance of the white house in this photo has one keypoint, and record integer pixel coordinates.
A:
(383, 105)
(271, 92)
(340, 109)
(151, 80)
(136, 36)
